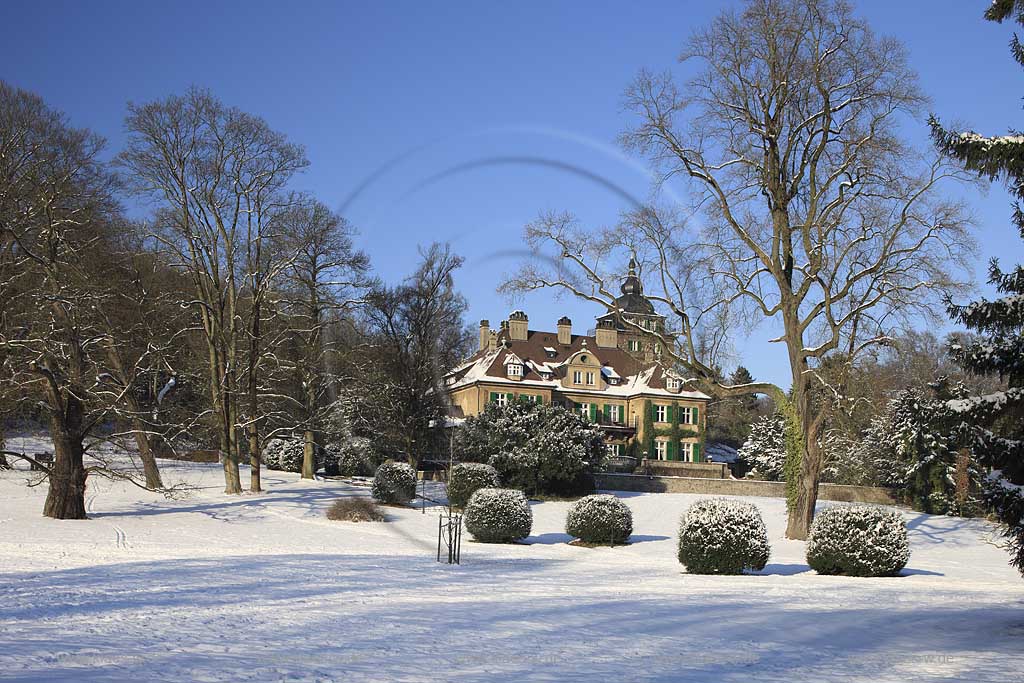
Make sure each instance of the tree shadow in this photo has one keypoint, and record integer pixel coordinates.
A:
(777, 569)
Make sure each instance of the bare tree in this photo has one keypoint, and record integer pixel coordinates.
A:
(816, 212)
(216, 173)
(418, 332)
(58, 227)
(324, 280)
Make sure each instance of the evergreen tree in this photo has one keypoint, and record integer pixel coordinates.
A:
(729, 419)
(764, 451)
(992, 424)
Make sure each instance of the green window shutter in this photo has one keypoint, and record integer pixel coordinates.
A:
(510, 397)
(540, 399)
(696, 451)
(593, 412)
(607, 413)
(668, 413)
(494, 397)
(695, 420)
(654, 412)
(670, 451)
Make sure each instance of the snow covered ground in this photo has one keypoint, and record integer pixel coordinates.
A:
(263, 587)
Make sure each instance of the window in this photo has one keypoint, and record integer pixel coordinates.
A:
(615, 413)
(577, 377)
(515, 370)
(585, 410)
(614, 449)
(590, 379)
(661, 413)
(633, 345)
(529, 398)
(661, 450)
(686, 415)
(686, 452)
(583, 359)
(674, 383)
(501, 399)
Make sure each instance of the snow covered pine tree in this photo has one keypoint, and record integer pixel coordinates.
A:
(992, 424)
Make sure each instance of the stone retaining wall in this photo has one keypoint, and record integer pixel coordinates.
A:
(737, 487)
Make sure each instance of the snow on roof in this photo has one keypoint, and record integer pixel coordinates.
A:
(609, 372)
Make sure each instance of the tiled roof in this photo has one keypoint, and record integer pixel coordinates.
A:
(636, 376)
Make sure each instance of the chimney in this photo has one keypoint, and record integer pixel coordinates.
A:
(564, 331)
(485, 333)
(517, 326)
(607, 334)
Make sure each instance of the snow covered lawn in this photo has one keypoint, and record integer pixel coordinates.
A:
(213, 588)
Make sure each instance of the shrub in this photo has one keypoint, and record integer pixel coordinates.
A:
(720, 536)
(498, 515)
(858, 540)
(466, 478)
(355, 510)
(540, 448)
(600, 519)
(284, 454)
(395, 482)
(346, 460)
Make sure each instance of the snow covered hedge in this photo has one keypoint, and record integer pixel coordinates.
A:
(348, 459)
(858, 540)
(498, 515)
(539, 448)
(466, 478)
(283, 454)
(600, 518)
(395, 482)
(720, 536)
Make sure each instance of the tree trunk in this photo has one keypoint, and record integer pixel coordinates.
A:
(254, 407)
(309, 454)
(66, 496)
(149, 466)
(229, 448)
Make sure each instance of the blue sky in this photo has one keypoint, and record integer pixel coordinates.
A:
(396, 102)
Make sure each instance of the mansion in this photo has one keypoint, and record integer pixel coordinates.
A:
(612, 378)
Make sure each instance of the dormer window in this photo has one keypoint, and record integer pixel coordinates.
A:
(514, 370)
(590, 379)
(674, 383)
(577, 377)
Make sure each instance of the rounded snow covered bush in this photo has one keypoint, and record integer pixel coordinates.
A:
(498, 515)
(720, 536)
(346, 460)
(283, 454)
(465, 478)
(600, 518)
(395, 482)
(858, 540)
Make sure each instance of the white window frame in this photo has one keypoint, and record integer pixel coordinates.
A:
(686, 451)
(615, 413)
(501, 399)
(614, 449)
(661, 449)
(660, 413)
(577, 377)
(686, 417)
(585, 410)
(590, 379)
(515, 370)
(674, 383)
(633, 345)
